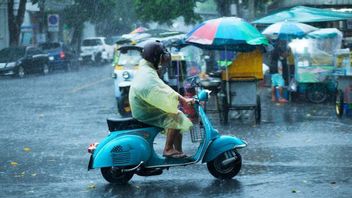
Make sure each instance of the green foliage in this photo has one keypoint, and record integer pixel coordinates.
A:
(110, 16)
(120, 19)
(87, 10)
(223, 6)
(164, 11)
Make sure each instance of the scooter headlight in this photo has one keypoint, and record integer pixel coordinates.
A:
(126, 75)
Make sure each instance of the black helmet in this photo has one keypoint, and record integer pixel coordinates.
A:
(152, 52)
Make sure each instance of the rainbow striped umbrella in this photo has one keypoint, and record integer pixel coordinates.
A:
(229, 33)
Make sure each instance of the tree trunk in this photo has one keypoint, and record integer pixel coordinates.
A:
(76, 37)
(223, 7)
(251, 9)
(15, 21)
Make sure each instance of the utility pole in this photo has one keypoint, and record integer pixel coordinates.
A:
(42, 35)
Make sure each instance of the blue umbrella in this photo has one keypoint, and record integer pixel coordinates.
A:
(287, 30)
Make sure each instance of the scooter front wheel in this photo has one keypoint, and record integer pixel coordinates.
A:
(223, 167)
(116, 176)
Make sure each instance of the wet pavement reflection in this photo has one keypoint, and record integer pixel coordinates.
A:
(47, 122)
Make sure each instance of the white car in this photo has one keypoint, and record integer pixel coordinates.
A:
(96, 49)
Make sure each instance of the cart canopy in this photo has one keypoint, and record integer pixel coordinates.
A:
(304, 14)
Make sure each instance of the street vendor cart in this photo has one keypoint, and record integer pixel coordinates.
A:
(344, 95)
(343, 73)
(232, 34)
(242, 78)
(315, 62)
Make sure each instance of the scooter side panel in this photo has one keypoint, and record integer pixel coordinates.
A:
(221, 144)
(128, 150)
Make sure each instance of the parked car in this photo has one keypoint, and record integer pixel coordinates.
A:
(61, 56)
(18, 61)
(97, 50)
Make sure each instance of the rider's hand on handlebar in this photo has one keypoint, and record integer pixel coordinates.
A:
(189, 101)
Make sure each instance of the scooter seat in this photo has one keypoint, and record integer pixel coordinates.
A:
(119, 124)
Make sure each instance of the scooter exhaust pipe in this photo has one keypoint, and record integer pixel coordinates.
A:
(134, 168)
(230, 158)
(228, 161)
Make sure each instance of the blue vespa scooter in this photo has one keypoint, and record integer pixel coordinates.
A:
(128, 149)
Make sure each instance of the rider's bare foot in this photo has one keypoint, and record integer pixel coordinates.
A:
(170, 152)
(181, 153)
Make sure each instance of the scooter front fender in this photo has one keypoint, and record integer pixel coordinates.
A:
(221, 144)
(128, 150)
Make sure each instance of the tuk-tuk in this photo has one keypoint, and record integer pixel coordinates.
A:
(124, 71)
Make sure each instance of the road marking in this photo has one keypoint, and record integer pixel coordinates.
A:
(79, 88)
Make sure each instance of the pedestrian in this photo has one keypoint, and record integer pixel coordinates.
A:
(155, 103)
(276, 69)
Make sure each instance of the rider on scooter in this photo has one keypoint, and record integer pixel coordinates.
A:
(155, 103)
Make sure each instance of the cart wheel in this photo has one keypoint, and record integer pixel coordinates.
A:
(294, 96)
(258, 109)
(339, 104)
(317, 93)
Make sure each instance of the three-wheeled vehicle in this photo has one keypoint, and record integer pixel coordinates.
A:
(124, 70)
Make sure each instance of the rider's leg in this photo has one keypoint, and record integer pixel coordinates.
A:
(169, 144)
(178, 141)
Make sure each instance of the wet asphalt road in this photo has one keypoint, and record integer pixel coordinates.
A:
(47, 123)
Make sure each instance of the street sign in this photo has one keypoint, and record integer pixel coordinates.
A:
(53, 23)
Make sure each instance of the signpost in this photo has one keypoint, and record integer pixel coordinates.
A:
(53, 23)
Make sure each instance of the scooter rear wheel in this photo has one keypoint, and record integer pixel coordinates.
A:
(116, 176)
(219, 171)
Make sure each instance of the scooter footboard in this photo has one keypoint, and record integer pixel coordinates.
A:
(125, 151)
(222, 144)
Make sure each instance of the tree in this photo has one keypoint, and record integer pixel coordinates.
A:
(121, 19)
(254, 7)
(15, 21)
(86, 10)
(165, 11)
(223, 7)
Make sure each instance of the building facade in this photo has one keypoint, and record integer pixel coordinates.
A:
(337, 4)
(4, 29)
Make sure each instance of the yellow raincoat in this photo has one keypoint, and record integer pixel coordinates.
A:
(155, 103)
